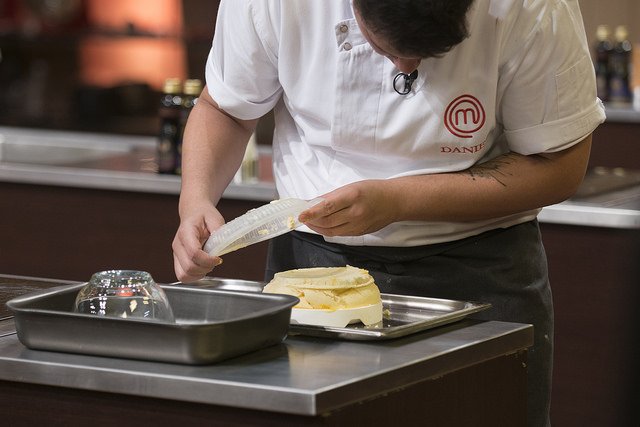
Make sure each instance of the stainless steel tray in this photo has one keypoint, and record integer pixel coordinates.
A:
(402, 315)
(211, 325)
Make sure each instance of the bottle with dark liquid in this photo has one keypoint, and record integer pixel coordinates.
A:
(603, 52)
(170, 128)
(620, 67)
(191, 91)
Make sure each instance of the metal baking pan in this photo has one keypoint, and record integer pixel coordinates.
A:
(211, 325)
(402, 315)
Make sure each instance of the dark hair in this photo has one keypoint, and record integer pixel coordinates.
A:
(417, 28)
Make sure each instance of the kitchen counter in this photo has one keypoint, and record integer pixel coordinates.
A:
(128, 164)
(98, 161)
(622, 114)
(301, 379)
(608, 197)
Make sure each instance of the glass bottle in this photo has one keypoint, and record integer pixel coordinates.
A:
(170, 113)
(603, 49)
(620, 67)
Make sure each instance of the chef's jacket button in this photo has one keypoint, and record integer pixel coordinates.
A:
(347, 46)
(344, 28)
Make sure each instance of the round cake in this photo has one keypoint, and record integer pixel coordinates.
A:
(344, 291)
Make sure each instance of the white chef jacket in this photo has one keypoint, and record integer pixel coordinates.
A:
(523, 82)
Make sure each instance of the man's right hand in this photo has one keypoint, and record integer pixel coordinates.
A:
(190, 261)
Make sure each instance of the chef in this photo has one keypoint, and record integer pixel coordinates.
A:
(434, 131)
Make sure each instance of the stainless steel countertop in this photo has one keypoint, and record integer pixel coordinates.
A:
(127, 163)
(304, 376)
(622, 114)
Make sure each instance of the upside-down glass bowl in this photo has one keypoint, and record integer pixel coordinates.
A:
(125, 294)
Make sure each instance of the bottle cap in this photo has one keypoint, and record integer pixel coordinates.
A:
(621, 33)
(603, 32)
(171, 85)
(192, 87)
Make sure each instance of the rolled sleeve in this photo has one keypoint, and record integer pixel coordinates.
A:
(241, 71)
(557, 135)
(550, 101)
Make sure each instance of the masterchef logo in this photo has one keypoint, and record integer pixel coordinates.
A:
(464, 116)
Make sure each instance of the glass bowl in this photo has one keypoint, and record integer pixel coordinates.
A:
(125, 294)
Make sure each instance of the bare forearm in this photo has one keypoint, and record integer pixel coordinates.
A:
(509, 184)
(213, 148)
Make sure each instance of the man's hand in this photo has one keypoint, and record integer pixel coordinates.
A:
(190, 262)
(353, 210)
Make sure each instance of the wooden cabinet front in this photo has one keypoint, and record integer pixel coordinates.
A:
(70, 233)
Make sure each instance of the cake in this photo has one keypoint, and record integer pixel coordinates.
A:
(333, 292)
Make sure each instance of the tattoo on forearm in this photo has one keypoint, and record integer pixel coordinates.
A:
(493, 169)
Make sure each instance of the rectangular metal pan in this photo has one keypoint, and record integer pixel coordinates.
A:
(211, 325)
(402, 315)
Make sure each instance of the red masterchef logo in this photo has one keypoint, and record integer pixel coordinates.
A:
(464, 116)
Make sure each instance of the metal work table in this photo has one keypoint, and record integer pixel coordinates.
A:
(302, 376)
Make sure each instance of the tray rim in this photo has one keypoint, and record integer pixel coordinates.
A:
(39, 294)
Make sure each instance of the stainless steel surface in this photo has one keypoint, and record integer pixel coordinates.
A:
(42, 154)
(303, 375)
(591, 216)
(225, 284)
(608, 197)
(402, 315)
(618, 209)
(600, 182)
(210, 326)
(58, 148)
(622, 114)
(109, 162)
